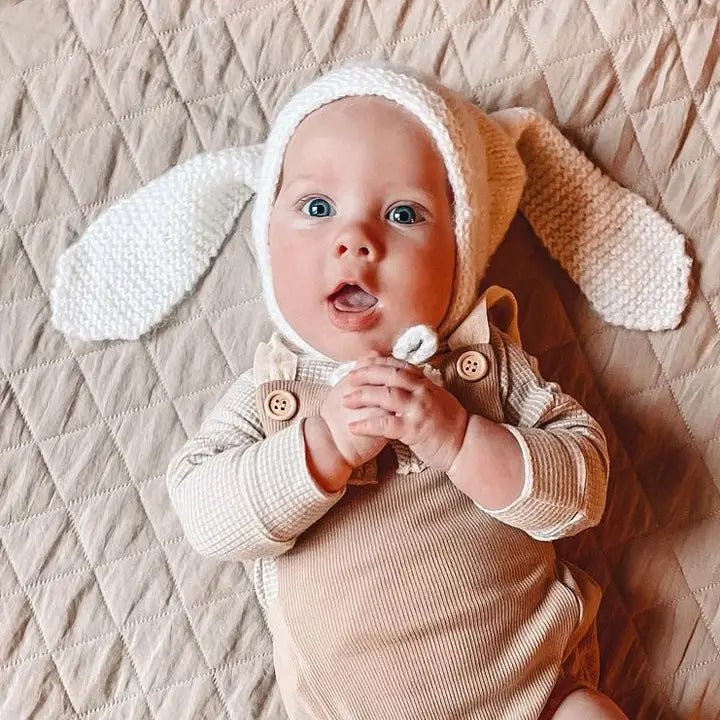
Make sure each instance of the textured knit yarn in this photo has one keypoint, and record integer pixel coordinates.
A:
(629, 261)
(141, 257)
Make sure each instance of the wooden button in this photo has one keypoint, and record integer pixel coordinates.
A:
(280, 405)
(472, 365)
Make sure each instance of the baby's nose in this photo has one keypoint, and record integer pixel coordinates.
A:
(358, 242)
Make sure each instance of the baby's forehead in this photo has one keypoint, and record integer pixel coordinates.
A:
(362, 126)
(357, 113)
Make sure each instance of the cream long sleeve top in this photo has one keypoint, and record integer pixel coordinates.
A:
(243, 496)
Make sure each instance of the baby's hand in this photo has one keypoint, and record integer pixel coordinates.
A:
(427, 418)
(355, 449)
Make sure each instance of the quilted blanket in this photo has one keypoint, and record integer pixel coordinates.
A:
(105, 611)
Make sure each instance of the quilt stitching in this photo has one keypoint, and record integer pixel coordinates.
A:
(71, 517)
(103, 89)
(108, 344)
(604, 547)
(81, 545)
(56, 489)
(453, 41)
(691, 434)
(129, 624)
(610, 43)
(584, 334)
(37, 622)
(30, 70)
(678, 404)
(701, 118)
(168, 566)
(539, 65)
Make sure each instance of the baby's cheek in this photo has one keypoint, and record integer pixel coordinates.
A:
(295, 286)
(284, 262)
(289, 284)
(426, 292)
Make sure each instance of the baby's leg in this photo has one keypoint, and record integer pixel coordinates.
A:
(589, 705)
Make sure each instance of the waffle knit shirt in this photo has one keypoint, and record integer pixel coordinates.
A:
(243, 491)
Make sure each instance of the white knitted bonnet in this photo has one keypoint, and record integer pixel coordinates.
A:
(142, 256)
(453, 125)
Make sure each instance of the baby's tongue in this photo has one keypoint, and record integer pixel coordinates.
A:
(352, 298)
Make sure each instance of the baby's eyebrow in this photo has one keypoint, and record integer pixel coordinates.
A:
(301, 179)
(416, 192)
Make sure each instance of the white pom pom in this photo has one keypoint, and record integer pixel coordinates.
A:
(416, 345)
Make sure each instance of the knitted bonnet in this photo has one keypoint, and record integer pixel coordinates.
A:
(143, 255)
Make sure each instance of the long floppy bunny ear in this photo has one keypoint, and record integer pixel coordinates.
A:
(141, 256)
(627, 259)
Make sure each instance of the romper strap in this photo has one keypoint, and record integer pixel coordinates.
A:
(496, 303)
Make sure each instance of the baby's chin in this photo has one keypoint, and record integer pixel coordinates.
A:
(344, 347)
(348, 345)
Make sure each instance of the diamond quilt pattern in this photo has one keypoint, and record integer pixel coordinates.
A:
(105, 611)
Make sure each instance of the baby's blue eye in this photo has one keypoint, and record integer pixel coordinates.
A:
(317, 207)
(403, 214)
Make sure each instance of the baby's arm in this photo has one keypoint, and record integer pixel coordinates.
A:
(240, 495)
(549, 459)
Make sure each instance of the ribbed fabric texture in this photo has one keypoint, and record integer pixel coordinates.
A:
(402, 598)
(239, 494)
(399, 588)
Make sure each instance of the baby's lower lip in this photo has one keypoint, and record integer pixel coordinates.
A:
(356, 321)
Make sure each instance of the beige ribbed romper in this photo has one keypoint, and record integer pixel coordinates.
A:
(399, 597)
(407, 601)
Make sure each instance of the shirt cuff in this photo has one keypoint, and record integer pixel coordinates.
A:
(553, 487)
(527, 474)
(288, 496)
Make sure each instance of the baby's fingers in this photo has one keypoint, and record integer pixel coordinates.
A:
(390, 398)
(387, 426)
(406, 377)
(388, 361)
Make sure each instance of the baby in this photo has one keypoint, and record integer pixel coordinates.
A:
(397, 516)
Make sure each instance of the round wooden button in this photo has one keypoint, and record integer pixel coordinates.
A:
(280, 405)
(472, 365)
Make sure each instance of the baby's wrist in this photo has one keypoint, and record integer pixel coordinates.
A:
(458, 457)
(325, 462)
(489, 467)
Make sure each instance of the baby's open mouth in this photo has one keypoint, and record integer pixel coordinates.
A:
(352, 298)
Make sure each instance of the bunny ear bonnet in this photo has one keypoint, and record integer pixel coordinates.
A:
(142, 256)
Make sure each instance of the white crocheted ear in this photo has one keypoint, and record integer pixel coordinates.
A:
(628, 260)
(141, 256)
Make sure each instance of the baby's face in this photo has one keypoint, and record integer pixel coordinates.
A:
(361, 232)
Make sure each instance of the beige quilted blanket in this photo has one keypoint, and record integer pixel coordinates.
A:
(104, 610)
